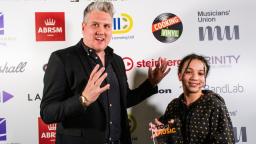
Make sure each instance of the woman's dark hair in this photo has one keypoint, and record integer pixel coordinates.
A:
(191, 57)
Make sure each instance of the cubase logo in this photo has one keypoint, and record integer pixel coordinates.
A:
(50, 26)
(47, 132)
(130, 63)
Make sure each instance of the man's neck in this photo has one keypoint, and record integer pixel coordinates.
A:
(101, 55)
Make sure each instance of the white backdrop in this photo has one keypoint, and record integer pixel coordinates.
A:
(230, 52)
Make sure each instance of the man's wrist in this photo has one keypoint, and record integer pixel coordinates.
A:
(84, 101)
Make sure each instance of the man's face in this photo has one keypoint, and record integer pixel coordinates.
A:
(97, 30)
(193, 78)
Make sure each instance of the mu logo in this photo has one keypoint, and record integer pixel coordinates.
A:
(220, 33)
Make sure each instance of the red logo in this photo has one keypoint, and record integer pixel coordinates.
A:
(50, 26)
(128, 63)
(47, 133)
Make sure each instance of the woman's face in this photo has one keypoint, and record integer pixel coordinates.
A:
(193, 76)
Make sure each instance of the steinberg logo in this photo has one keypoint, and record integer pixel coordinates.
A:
(130, 63)
(5, 96)
(1, 23)
(221, 33)
(3, 129)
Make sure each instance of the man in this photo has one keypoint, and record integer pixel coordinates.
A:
(85, 86)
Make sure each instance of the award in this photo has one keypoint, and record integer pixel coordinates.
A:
(164, 134)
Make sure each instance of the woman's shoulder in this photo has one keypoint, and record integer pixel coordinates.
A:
(213, 98)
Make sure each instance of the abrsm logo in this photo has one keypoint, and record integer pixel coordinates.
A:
(47, 133)
(50, 26)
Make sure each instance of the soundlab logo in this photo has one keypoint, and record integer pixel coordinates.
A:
(50, 26)
(5, 96)
(167, 28)
(1, 23)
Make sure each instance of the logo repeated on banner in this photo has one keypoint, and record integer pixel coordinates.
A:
(1, 23)
(122, 25)
(130, 64)
(3, 132)
(223, 60)
(167, 28)
(5, 96)
(240, 134)
(132, 123)
(34, 97)
(19, 68)
(226, 88)
(50, 26)
(47, 132)
(4, 38)
(220, 33)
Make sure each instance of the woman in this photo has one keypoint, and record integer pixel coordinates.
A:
(198, 116)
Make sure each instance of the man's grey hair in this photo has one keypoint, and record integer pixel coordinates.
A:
(99, 6)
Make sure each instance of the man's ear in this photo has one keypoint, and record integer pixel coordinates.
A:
(82, 26)
(180, 76)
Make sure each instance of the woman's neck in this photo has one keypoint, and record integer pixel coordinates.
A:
(189, 98)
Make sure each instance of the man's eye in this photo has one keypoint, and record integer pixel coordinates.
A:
(107, 26)
(95, 25)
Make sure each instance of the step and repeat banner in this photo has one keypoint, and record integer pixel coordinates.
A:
(143, 31)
